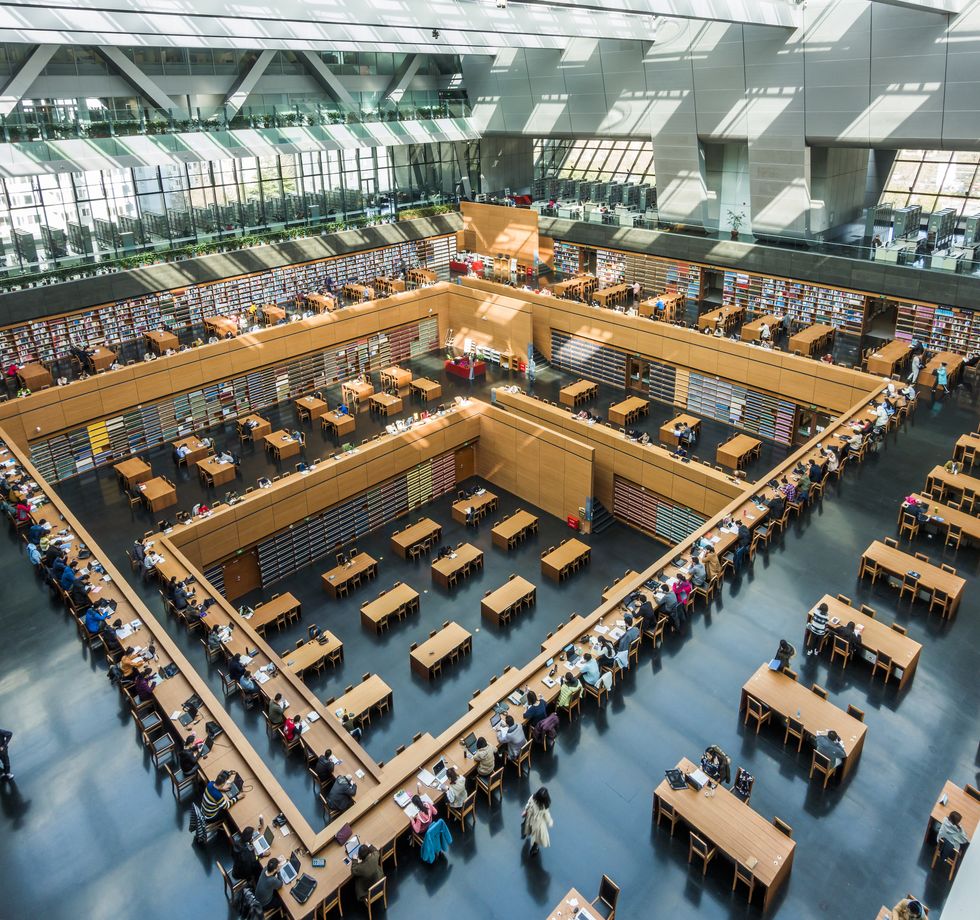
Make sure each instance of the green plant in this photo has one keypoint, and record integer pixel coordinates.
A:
(735, 220)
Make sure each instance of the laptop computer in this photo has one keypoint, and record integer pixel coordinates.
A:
(469, 742)
(261, 843)
(439, 769)
(676, 779)
(290, 870)
(353, 845)
(495, 720)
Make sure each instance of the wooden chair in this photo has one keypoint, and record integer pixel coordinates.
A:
(746, 877)
(232, 885)
(492, 783)
(884, 664)
(794, 729)
(951, 861)
(179, 783)
(605, 902)
(738, 773)
(821, 765)
(909, 526)
(941, 600)
(910, 586)
(855, 712)
(844, 599)
(758, 711)
(782, 827)
(524, 757)
(869, 612)
(901, 630)
(842, 648)
(662, 809)
(467, 808)
(869, 567)
(698, 846)
(947, 568)
(377, 892)
(891, 541)
(816, 688)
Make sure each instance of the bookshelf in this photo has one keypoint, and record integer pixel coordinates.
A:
(939, 328)
(806, 303)
(568, 258)
(652, 513)
(284, 553)
(610, 267)
(111, 439)
(590, 359)
(186, 308)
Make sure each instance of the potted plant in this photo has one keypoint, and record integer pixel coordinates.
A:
(735, 219)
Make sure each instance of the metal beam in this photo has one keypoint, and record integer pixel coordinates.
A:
(137, 79)
(327, 79)
(15, 88)
(403, 76)
(244, 85)
(943, 7)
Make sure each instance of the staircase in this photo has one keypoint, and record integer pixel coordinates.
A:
(601, 518)
(449, 342)
(539, 359)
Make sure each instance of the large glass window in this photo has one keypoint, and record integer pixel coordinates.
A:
(594, 159)
(935, 179)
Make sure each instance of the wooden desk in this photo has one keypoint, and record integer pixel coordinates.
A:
(879, 637)
(448, 567)
(448, 641)
(271, 315)
(311, 653)
(261, 429)
(342, 575)
(628, 411)
(954, 368)
(426, 389)
(158, 493)
(962, 484)
(890, 359)
(367, 695)
(557, 564)
(385, 404)
(337, 422)
(221, 326)
(818, 338)
(737, 451)
(399, 601)
(673, 307)
(726, 317)
(398, 377)
(610, 296)
(355, 392)
(667, 435)
(101, 358)
(389, 285)
(281, 444)
(133, 471)
(752, 332)
(967, 445)
(321, 303)
(278, 611)
(738, 831)
(968, 523)
(576, 393)
(786, 697)
(197, 449)
(499, 606)
(895, 562)
(481, 504)
(959, 800)
(421, 276)
(213, 473)
(357, 292)
(580, 287)
(34, 376)
(570, 905)
(403, 541)
(618, 586)
(508, 533)
(161, 341)
(309, 408)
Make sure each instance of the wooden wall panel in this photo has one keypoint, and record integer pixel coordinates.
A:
(501, 231)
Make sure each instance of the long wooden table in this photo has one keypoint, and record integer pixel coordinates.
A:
(132, 472)
(386, 404)
(576, 393)
(430, 655)
(321, 303)
(813, 339)
(481, 505)
(101, 358)
(419, 532)
(261, 429)
(727, 317)
(158, 493)
(197, 449)
(341, 575)
(398, 601)
(958, 800)
(737, 829)
(355, 392)
(278, 611)
(890, 359)
(221, 326)
(962, 484)
(281, 444)
(421, 276)
(466, 555)
(752, 332)
(338, 422)
(931, 577)
(387, 286)
(426, 389)
(579, 287)
(398, 377)
(309, 408)
(673, 307)
(312, 652)
(499, 606)
(879, 638)
(668, 429)
(954, 368)
(271, 314)
(737, 451)
(508, 533)
(613, 295)
(969, 524)
(787, 697)
(557, 564)
(367, 695)
(967, 446)
(34, 376)
(629, 410)
(161, 341)
(214, 473)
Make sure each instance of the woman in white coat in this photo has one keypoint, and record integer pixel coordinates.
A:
(537, 820)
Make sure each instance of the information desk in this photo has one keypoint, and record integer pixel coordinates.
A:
(399, 601)
(752, 332)
(276, 612)
(158, 493)
(449, 568)
(878, 638)
(737, 451)
(628, 411)
(313, 652)
(668, 429)
(338, 422)
(512, 529)
(34, 376)
(500, 605)
(212, 473)
(787, 697)
(425, 530)
(726, 317)
(460, 367)
(197, 449)
(341, 578)
(481, 505)
(577, 393)
(259, 430)
(815, 339)
(893, 561)
(309, 408)
(369, 694)
(426, 389)
(448, 642)
(561, 562)
(161, 341)
(735, 828)
(281, 444)
(132, 472)
(890, 359)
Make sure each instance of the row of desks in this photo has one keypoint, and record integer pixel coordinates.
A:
(931, 577)
(428, 657)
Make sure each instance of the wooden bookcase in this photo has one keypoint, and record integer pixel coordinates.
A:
(939, 328)
(652, 513)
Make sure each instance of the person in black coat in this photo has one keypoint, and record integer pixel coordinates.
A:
(246, 866)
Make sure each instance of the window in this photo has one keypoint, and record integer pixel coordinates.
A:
(935, 179)
(594, 159)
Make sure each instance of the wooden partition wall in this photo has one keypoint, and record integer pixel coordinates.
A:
(501, 323)
(495, 231)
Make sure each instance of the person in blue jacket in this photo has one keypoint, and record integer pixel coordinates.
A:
(95, 618)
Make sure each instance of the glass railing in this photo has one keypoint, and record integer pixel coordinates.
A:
(19, 127)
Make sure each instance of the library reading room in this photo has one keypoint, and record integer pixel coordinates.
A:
(517, 466)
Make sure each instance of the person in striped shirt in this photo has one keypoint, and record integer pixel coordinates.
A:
(215, 802)
(816, 628)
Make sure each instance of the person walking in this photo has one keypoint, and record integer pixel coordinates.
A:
(536, 820)
(5, 737)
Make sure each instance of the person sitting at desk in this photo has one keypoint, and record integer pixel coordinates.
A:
(909, 393)
(269, 883)
(590, 673)
(829, 744)
(245, 864)
(850, 634)
(784, 654)
(323, 768)
(181, 452)
(569, 691)
(225, 457)
(667, 604)
(816, 472)
(350, 726)
(714, 762)
(712, 564)
(95, 618)
(189, 755)
(776, 506)
(908, 908)
(788, 488)
(129, 664)
(833, 463)
(682, 590)
(764, 333)
(341, 794)
(150, 561)
(143, 686)
(236, 667)
(275, 711)
(952, 467)
(484, 757)
(456, 790)
(426, 815)
(511, 734)
(625, 640)
(535, 709)
(292, 726)
(366, 870)
(38, 530)
(68, 576)
(645, 612)
(698, 573)
(951, 835)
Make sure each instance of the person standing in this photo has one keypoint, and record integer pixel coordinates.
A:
(942, 379)
(816, 628)
(5, 737)
(538, 820)
(916, 367)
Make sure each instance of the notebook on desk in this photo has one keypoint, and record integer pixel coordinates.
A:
(261, 843)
